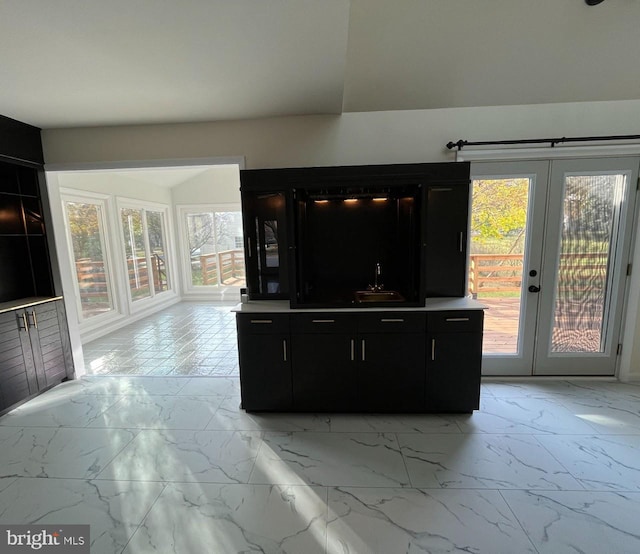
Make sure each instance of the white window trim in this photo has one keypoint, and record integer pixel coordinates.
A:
(156, 297)
(216, 292)
(102, 200)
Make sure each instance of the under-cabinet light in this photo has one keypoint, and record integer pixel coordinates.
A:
(351, 200)
(381, 199)
(320, 201)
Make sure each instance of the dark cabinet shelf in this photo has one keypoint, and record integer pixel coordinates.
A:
(24, 254)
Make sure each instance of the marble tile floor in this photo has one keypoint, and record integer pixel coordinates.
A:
(172, 464)
(189, 338)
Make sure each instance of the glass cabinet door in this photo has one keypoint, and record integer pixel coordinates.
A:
(266, 244)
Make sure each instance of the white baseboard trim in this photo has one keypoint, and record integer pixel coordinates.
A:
(124, 320)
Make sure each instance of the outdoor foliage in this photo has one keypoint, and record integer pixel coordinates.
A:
(499, 214)
(85, 236)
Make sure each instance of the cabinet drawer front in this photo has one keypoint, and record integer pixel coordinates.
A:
(392, 322)
(262, 324)
(322, 322)
(455, 321)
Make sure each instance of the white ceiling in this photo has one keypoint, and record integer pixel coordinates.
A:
(66, 63)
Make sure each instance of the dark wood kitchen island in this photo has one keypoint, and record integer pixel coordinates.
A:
(397, 359)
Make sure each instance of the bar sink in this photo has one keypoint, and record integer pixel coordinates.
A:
(378, 296)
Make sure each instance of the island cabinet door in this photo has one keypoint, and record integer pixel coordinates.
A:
(265, 362)
(391, 376)
(391, 361)
(454, 357)
(325, 358)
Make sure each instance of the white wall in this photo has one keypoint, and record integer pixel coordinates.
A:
(353, 138)
(113, 184)
(218, 185)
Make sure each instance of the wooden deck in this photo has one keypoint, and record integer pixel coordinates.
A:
(500, 325)
(571, 333)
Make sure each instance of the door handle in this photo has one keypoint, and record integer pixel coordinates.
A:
(35, 319)
(22, 321)
(533, 288)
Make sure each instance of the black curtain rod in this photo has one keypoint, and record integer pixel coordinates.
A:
(552, 141)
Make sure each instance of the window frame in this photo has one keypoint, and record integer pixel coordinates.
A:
(155, 296)
(203, 291)
(101, 200)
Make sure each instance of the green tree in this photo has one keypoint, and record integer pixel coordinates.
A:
(499, 213)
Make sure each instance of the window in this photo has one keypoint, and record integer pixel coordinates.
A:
(214, 246)
(144, 237)
(86, 236)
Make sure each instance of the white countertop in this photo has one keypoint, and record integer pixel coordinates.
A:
(26, 302)
(431, 305)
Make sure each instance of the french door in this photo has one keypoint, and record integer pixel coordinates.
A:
(550, 244)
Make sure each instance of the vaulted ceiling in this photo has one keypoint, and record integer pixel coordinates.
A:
(70, 63)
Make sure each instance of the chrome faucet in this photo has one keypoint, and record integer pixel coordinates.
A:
(377, 286)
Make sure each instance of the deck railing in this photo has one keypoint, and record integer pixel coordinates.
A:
(503, 272)
(222, 267)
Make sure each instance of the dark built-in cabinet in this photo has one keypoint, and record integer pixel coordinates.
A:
(366, 362)
(323, 237)
(35, 352)
(384, 239)
(34, 341)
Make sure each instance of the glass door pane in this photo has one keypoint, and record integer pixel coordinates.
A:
(216, 249)
(590, 220)
(586, 254)
(136, 255)
(498, 239)
(158, 255)
(507, 225)
(89, 257)
(229, 246)
(202, 248)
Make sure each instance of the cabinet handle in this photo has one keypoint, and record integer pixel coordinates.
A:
(461, 241)
(391, 320)
(249, 246)
(284, 349)
(264, 321)
(458, 319)
(22, 321)
(353, 350)
(35, 319)
(323, 320)
(433, 350)
(363, 349)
